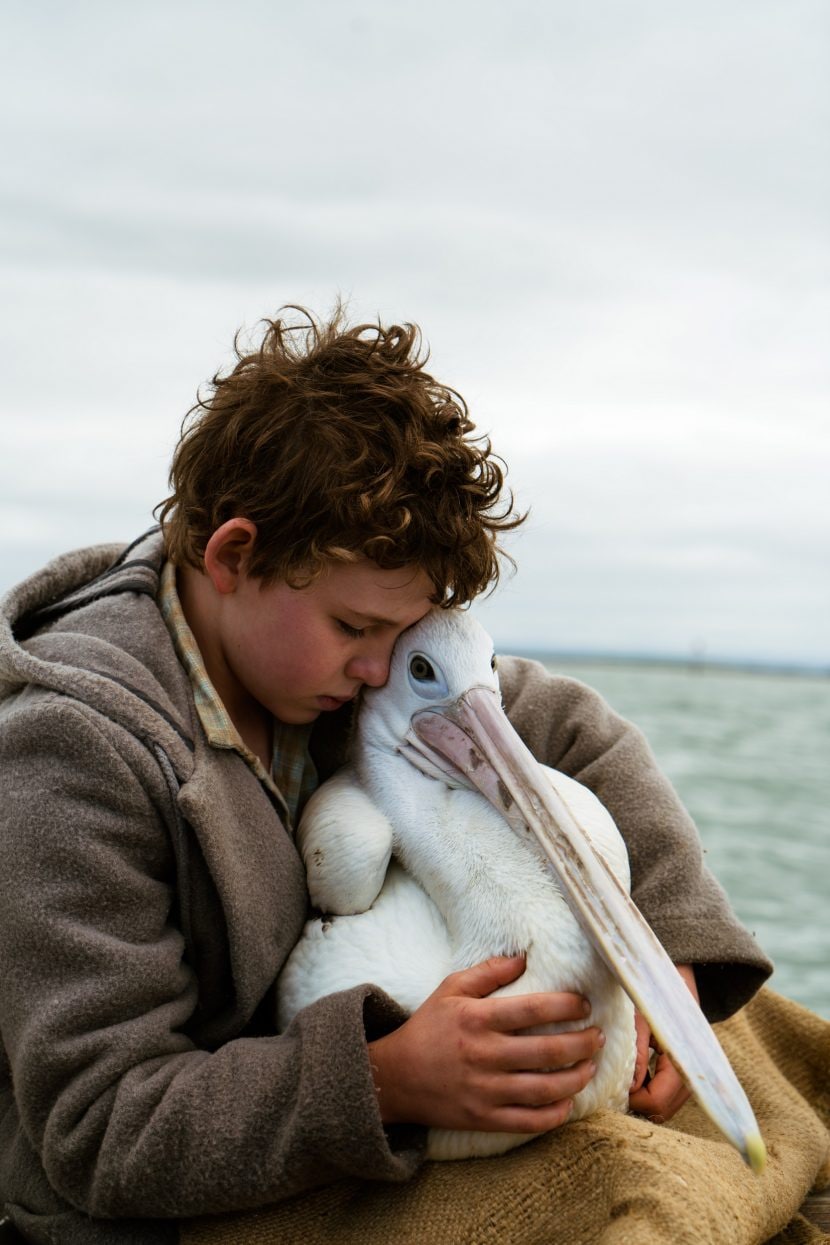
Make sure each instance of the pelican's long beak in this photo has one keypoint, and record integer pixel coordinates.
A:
(471, 740)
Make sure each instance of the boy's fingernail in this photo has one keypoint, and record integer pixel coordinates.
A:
(601, 1040)
(570, 1108)
(586, 1007)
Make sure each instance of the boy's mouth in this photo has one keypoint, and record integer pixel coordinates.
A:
(334, 702)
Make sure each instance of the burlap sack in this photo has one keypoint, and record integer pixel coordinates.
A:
(612, 1179)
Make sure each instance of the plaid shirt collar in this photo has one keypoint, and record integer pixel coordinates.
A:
(293, 777)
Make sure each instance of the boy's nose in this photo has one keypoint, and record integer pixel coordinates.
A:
(371, 668)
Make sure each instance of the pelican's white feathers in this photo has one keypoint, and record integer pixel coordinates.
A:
(462, 887)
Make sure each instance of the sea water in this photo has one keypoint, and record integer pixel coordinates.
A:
(749, 754)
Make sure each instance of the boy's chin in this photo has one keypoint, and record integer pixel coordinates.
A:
(297, 715)
(303, 715)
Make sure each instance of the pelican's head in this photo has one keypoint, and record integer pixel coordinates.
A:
(435, 663)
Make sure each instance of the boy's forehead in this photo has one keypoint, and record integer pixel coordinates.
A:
(386, 596)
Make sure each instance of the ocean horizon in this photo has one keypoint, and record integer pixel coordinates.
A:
(690, 661)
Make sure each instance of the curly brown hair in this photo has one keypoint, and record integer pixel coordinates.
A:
(337, 443)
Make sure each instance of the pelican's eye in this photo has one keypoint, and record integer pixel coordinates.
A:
(425, 678)
(493, 662)
(421, 670)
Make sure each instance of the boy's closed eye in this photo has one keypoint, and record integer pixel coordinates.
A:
(354, 632)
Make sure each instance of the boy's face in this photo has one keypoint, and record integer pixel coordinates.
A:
(302, 652)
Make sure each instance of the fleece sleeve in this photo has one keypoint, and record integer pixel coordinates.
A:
(128, 1116)
(569, 727)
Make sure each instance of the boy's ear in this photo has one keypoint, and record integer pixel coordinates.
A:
(228, 554)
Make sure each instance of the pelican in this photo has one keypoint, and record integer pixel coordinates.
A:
(443, 842)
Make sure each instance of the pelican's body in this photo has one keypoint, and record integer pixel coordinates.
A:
(425, 877)
(476, 877)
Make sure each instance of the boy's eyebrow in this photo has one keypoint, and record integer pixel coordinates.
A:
(370, 618)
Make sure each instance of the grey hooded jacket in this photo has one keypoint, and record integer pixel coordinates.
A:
(149, 895)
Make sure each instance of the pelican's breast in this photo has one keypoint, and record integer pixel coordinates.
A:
(401, 945)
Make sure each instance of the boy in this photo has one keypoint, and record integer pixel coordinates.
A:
(167, 709)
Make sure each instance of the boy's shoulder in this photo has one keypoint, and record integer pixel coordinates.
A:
(529, 687)
(87, 628)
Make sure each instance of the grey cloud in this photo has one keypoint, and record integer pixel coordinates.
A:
(610, 219)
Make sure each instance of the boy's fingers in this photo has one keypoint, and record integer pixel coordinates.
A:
(542, 1089)
(528, 1053)
(512, 1012)
(482, 979)
(664, 1094)
(672, 1090)
(643, 1034)
(680, 1099)
(515, 1119)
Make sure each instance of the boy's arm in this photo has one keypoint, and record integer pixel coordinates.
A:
(570, 727)
(128, 1114)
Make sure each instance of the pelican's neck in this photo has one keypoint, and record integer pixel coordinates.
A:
(481, 878)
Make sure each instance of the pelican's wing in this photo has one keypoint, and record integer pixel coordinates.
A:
(400, 944)
(346, 842)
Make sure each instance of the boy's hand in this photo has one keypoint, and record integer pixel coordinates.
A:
(665, 1092)
(460, 1060)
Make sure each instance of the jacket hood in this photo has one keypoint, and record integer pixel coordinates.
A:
(87, 626)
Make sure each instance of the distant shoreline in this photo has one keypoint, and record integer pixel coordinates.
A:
(692, 663)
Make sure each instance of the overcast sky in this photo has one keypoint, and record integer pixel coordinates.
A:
(610, 219)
